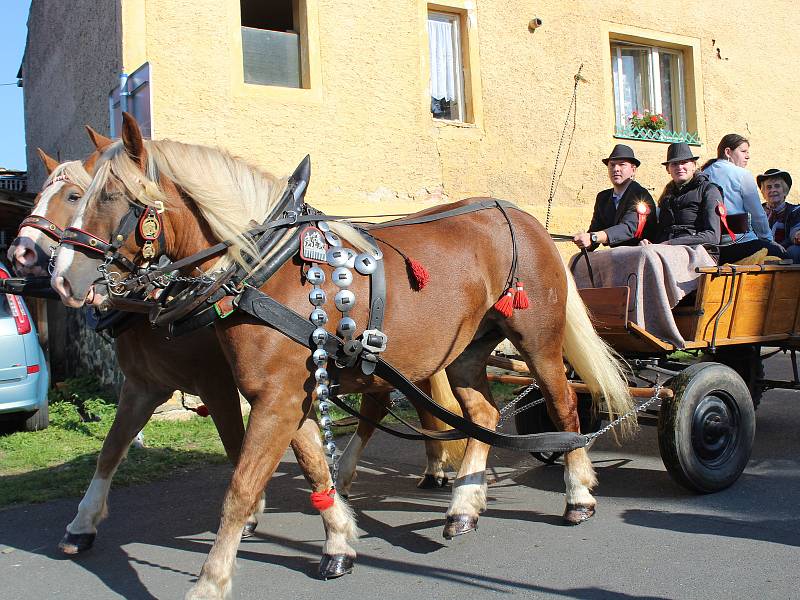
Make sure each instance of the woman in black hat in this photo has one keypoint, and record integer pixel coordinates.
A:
(688, 205)
(782, 216)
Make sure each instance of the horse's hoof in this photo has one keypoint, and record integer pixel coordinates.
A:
(432, 482)
(458, 525)
(249, 529)
(75, 543)
(335, 565)
(575, 514)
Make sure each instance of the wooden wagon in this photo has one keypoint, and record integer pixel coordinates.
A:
(705, 412)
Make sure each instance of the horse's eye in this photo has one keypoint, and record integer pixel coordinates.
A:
(73, 197)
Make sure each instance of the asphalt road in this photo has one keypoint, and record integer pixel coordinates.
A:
(650, 538)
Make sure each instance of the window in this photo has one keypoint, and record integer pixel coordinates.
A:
(135, 100)
(272, 34)
(447, 73)
(649, 78)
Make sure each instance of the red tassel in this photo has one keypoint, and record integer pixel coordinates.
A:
(419, 273)
(521, 297)
(505, 306)
(323, 500)
(202, 410)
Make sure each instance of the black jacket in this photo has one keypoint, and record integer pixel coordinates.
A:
(620, 223)
(688, 214)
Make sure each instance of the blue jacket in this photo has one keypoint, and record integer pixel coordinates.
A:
(740, 193)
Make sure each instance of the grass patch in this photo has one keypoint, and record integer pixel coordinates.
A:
(59, 461)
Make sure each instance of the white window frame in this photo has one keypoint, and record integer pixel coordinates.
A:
(458, 60)
(654, 82)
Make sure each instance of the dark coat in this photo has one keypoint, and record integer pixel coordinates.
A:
(783, 224)
(620, 223)
(688, 214)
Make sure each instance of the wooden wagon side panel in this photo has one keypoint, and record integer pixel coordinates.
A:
(752, 299)
(715, 298)
(782, 314)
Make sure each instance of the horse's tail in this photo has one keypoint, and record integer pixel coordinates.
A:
(452, 452)
(594, 361)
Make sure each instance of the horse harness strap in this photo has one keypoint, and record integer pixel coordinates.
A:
(44, 225)
(297, 328)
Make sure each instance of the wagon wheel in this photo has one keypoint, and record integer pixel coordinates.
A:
(536, 420)
(706, 431)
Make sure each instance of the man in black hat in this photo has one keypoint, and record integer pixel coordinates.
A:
(784, 219)
(624, 214)
(688, 206)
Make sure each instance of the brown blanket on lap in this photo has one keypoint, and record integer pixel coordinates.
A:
(658, 275)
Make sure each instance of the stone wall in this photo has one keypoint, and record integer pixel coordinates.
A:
(72, 59)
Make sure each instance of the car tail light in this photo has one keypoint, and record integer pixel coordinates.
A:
(17, 310)
(33, 369)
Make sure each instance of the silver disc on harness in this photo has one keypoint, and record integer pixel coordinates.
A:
(328, 435)
(366, 263)
(323, 226)
(330, 448)
(345, 300)
(323, 392)
(319, 337)
(376, 253)
(347, 327)
(320, 357)
(317, 297)
(319, 317)
(324, 407)
(315, 276)
(325, 421)
(336, 257)
(342, 277)
(351, 258)
(332, 238)
(321, 375)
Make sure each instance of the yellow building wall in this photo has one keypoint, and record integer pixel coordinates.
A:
(366, 121)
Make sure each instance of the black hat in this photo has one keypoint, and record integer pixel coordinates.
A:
(622, 152)
(772, 173)
(678, 152)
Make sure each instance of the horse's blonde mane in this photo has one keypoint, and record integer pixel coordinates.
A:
(228, 192)
(71, 171)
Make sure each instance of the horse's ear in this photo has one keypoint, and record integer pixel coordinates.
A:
(49, 162)
(132, 139)
(100, 141)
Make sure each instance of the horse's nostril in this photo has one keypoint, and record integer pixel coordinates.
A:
(26, 257)
(62, 286)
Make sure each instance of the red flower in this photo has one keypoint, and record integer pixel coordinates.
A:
(654, 119)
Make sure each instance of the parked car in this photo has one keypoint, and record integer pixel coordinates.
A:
(24, 378)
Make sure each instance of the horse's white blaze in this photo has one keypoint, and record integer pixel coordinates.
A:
(29, 237)
(92, 508)
(469, 488)
(66, 254)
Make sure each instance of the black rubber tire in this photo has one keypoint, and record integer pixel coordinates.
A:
(536, 420)
(38, 420)
(706, 431)
(746, 361)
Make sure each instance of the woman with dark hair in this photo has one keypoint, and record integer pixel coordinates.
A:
(745, 228)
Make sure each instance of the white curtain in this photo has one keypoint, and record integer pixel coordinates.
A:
(441, 42)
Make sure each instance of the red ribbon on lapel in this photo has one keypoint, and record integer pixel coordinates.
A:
(723, 216)
(642, 210)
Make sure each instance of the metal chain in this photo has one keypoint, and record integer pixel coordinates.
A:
(627, 415)
(505, 415)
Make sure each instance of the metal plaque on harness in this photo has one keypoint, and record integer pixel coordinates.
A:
(337, 257)
(366, 264)
(342, 277)
(315, 276)
(345, 300)
(351, 258)
(148, 250)
(312, 245)
(318, 317)
(317, 297)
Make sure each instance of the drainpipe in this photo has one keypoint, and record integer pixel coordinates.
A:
(123, 92)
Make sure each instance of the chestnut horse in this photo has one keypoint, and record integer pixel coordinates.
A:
(29, 254)
(450, 324)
